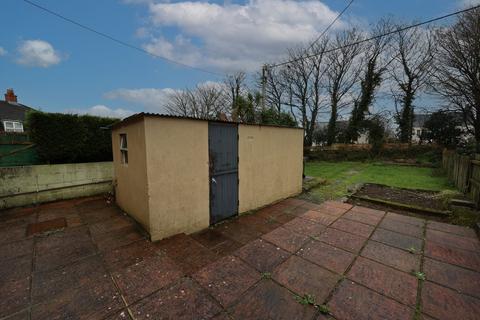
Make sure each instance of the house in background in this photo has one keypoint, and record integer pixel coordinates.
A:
(341, 126)
(418, 126)
(12, 113)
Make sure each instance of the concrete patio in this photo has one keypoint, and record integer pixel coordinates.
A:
(84, 259)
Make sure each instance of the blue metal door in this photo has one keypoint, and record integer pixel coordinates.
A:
(223, 161)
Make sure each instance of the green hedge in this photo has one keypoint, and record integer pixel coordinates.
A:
(419, 153)
(67, 138)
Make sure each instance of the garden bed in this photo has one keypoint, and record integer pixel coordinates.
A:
(421, 201)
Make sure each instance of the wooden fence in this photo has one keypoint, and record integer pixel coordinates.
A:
(464, 172)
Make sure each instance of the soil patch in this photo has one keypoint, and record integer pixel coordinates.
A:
(409, 197)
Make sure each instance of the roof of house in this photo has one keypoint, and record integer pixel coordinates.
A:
(141, 115)
(419, 120)
(13, 111)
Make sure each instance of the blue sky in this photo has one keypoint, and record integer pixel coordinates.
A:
(58, 67)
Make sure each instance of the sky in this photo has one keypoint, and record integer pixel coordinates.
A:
(56, 66)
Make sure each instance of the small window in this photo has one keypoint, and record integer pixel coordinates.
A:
(124, 148)
(419, 132)
(13, 126)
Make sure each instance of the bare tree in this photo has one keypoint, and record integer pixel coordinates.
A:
(235, 86)
(414, 56)
(297, 77)
(376, 61)
(275, 88)
(457, 69)
(343, 71)
(206, 101)
(317, 95)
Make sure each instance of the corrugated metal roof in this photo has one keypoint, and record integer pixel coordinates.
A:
(140, 115)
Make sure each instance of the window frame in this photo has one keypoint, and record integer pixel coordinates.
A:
(124, 148)
(16, 126)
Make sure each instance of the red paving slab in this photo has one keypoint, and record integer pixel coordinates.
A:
(227, 279)
(101, 266)
(262, 255)
(450, 228)
(268, 300)
(447, 304)
(389, 282)
(143, 278)
(397, 240)
(357, 228)
(460, 279)
(184, 300)
(319, 217)
(343, 240)
(455, 256)
(401, 227)
(354, 302)
(304, 277)
(371, 217)
(327, 256)
(305, 227)
(452, 240)
(390, 256)
(286, 239)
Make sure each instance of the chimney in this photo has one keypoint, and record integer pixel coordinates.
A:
(10, 96)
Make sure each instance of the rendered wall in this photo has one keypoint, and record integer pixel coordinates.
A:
(131, 190)
(270, 164)
(178, 176)
(27, 185)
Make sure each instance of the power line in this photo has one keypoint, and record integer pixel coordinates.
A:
(118, 41)
(330, 25)
(377, 36)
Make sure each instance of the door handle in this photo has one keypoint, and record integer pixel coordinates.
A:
(214, 181)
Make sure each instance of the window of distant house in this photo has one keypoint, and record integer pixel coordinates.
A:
(13, 126)
(124, 148)
(419, 132)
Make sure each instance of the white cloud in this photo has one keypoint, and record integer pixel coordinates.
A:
(468, 3)
(38, 53)
(235, 36)
(153, 99)
(103, 111)
(2, 51)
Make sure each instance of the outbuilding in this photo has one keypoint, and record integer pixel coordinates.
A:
(178, 174)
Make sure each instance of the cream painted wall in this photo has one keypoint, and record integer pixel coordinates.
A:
(270, 164)
(178, 185)
(131, 179)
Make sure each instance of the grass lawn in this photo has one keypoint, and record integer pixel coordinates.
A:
(342, 176)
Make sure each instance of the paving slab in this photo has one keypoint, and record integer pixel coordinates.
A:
(227, 279)
(304, 277)
(354, 302)
(444, 303)
(457, 278)
(184, 300)
(268, 300)
(354, 227)
(343, 240)
(143, 278)
(391, 256)
(102, 266)
(397, 240)
(327, 256)
(387, 281)
(262, 255)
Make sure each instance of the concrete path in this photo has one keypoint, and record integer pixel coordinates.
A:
(84, 259)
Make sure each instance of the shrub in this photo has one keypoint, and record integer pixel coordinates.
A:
(67, 138)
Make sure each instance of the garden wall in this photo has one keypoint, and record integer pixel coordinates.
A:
(27, 185)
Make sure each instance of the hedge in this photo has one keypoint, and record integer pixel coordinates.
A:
(68, 138)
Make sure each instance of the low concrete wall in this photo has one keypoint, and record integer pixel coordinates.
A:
(28, 185)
